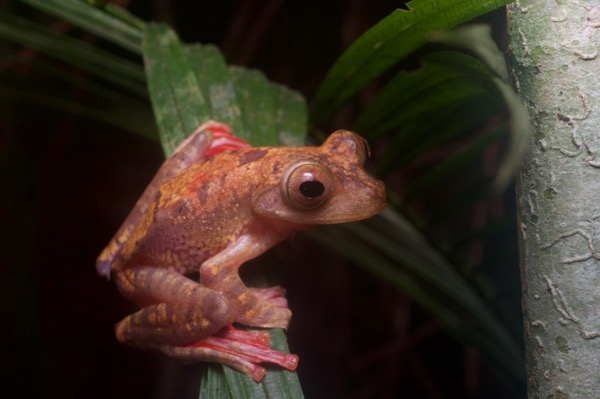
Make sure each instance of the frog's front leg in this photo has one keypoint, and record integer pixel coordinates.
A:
(190, 322)
(265, 307)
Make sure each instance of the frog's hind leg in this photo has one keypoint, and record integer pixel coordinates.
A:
(190, 322)
(176, 310)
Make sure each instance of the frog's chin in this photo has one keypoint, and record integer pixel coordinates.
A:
(346, 213)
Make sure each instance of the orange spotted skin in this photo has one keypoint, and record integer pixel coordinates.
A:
(211, 214)
(205, 210)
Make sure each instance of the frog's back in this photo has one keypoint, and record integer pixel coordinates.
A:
(209, 139)
(193, 216)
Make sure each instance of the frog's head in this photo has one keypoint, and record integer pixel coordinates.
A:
(328, 185)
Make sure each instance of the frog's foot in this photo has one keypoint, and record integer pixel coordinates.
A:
(208, 139)
(274, 295)
(222, 138)
(268, 308)
(242, 350)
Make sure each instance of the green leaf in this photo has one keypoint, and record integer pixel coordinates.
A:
(415, 95)
(255, 97)
(451, 96)
(129, 116)
(448, 167)
(102, 64)
(273, 112)
(381, 243)
(193, 84)
(281, 383)
(213, 77)
(213, 385)
(106, 104)
(387, 43)
(520, 131)
(189, 85)
(290, 115)
(177, 99)
(477, 39)
(125, 30)
(423, 103)
(443, 101)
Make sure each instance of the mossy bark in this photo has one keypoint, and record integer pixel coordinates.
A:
(554, 54)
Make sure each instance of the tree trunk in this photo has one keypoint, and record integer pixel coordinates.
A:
(554, 47)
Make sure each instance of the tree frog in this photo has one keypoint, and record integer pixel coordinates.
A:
(215, 203)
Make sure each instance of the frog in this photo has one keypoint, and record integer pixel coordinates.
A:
(214, 204)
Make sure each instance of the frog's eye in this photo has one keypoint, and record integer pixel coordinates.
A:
(306, 185)
(366, 150)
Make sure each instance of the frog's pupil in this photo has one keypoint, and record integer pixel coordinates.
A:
(312, 188)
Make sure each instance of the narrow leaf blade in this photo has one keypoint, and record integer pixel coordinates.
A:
(178, 103)
(117, 70)
(189, 85)
(388, 42)
(89, 18)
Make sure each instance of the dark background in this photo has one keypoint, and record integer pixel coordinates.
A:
(67, 183)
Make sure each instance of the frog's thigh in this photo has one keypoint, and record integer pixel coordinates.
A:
(183, 310)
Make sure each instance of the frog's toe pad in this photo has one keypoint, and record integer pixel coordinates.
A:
(274, 295)
(243, 350)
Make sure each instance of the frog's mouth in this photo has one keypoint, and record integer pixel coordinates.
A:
(347, 201)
